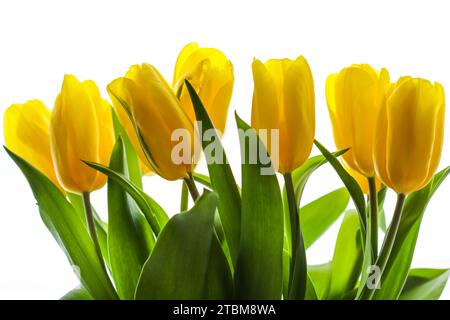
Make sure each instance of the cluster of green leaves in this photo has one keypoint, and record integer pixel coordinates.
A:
(234, 242)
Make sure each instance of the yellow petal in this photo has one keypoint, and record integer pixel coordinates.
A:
(438, 136)
(265, 109)
(106, 136)
(299, 115)
(116, 91)
(354, 98)
(283, 100)
(76, 131)
(211, 75)
(412, 115)
(185, 53)
(156, 114)
(26, 130)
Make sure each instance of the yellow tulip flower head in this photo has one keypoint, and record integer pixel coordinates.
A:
(211, 75)
(409, 134)
(118, 96)
(354, 98)
(283, 100)
(81, 129)
(155, 113)
(26, 129)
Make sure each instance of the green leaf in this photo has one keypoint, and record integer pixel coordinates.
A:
(219, 281)
(317, 216)
(185, 263)
(203, 179)
(152, 211)
(184, 201)
(130, 238)
(397, 268)
(100, 226)
(68, 229)
(311, 293)
(367, 260)
(78, 293)
(425, 284)
(320, 276)
(222, 179)
(347, 258)
(381, 214)
(259, 267)
(133, 164)
(350, 183)
(299, 177)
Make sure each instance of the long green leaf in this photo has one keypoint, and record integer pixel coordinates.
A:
(130, 237)
(156, 216)
(320, 276)
(311, 293)
(78, 293)
(396, 272)
(300, 177)
(101, 227)
(68, 229)
(259, 266)
(349, 182)
(381, 214)
(347, 258)
(133, 164)
(222, 179)
(185, 264)
(318, 215)
(203, 179)
(425, 284)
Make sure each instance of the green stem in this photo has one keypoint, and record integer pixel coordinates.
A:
(373, 201)
(388, 243)
(92, 231)
(298, 271)
(190, 183)
(184, 197)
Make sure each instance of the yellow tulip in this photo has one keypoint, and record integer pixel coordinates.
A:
(283, 99)
(362, 181)
(26, 129)
(211, 75)
(409, 134)
(354, 98)
(128, 126)
(156, 113)
(81, 129)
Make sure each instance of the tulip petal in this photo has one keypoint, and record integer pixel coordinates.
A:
(121, 102)
(185, 53)
(412, 115)
(26, 131)
(298, 128)
(211, 74)
(265, 110)
(80, 130)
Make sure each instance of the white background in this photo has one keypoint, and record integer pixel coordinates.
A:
(42, 40)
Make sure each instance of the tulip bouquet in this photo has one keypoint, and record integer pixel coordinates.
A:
(244, 240)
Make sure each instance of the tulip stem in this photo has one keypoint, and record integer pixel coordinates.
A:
(388, 244)
(298, 271)
(190, 183)
(91, 226)
(373, 201)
